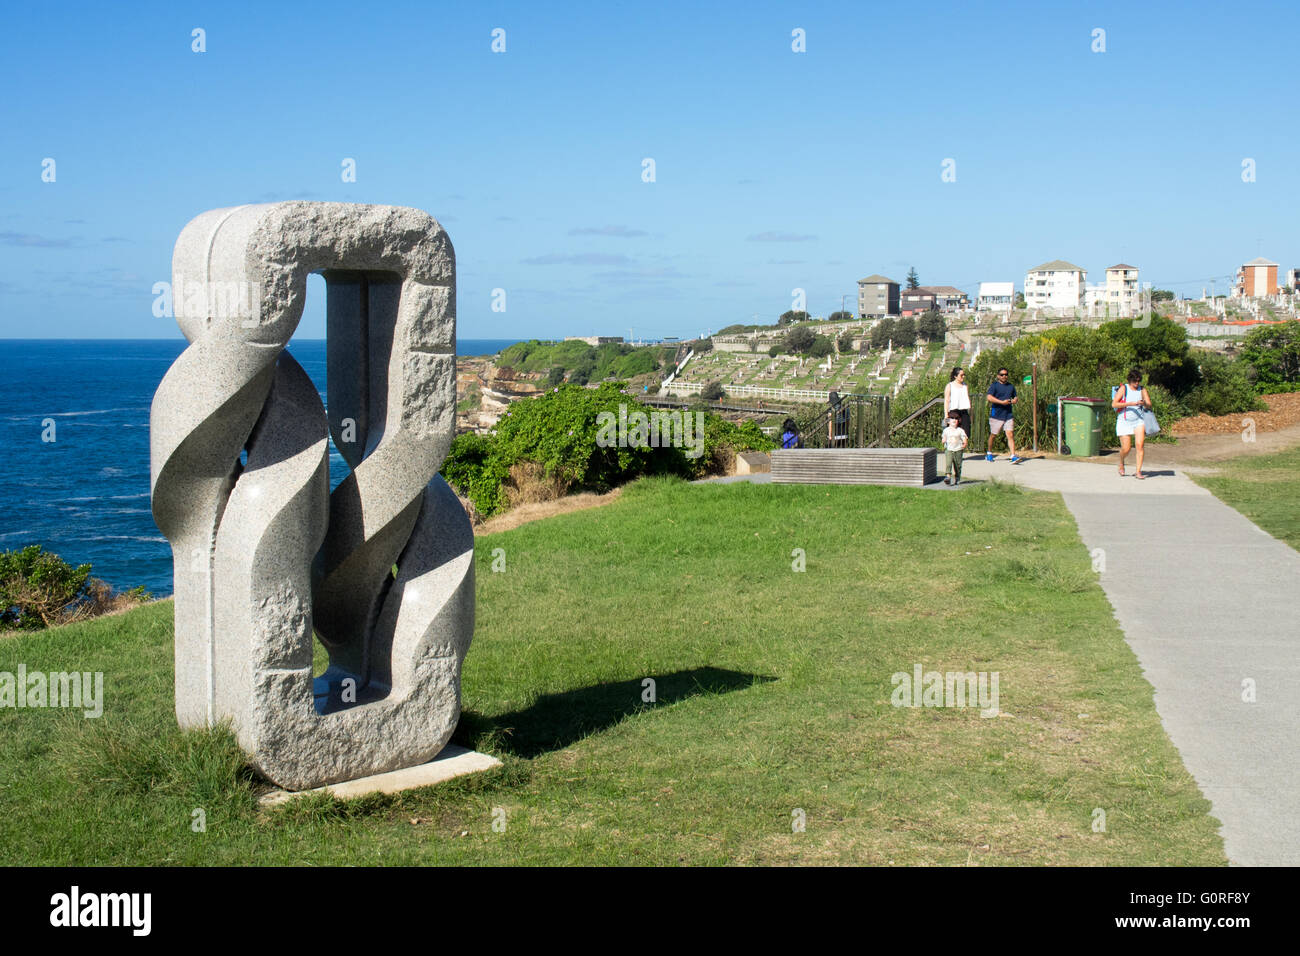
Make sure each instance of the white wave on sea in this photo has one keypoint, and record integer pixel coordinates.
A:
(93, 411)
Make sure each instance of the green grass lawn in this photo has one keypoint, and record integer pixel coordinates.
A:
(773, 698)
(1264, 488)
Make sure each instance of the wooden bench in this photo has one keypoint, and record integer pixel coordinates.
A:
(854, 466)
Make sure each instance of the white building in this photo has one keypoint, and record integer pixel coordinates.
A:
(1058, 286)
(1116, 298)
(996, 296)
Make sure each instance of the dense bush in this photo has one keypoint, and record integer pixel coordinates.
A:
(474, 469)
(1224, 387)
(905, 332)
(821, 347)
(559, 432)
(1272, 353)
(932, 326)
(713, 392)
(800, 339)
(36, 587)
(39, 589)
(1159, 349)
(583, 362)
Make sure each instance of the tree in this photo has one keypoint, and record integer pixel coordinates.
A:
(713, 392)
(840, 317)
(800, 339)
(932, 326)
(905, 332)
(790, 317)
(881, 333)
(1160, 350)
(821, 347)
(1273, 351)
(846, 342)
(774, 351)
(1020, 300)
(1161, 295)
(913, 280)
(703, 345)
(556, 376)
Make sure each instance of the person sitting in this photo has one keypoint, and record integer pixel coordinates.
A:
(790, 435)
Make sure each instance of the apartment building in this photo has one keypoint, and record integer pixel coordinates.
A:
(1058, 286)
(1256, 277)
(877, 296)
(1116, 298)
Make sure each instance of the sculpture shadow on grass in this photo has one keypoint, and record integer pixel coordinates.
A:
(554, 721)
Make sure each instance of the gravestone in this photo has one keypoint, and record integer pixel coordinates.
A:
(265, 556)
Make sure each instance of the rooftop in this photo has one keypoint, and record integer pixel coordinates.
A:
(1121, 266)
(1261, 262)
(877, 278)
(1058, 265)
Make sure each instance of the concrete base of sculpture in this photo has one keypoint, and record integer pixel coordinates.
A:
(453, 762)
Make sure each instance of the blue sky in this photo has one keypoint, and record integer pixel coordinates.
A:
(775, 170)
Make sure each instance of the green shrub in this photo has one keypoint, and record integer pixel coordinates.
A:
(1225, 387)
(39, 589)
(560, 432)
(713, 392)
(800, 339)
(1159, 349)
(1272, 353)
(474, 469)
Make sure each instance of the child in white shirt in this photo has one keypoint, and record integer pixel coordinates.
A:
(954, 443)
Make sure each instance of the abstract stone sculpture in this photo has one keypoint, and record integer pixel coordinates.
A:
(264, 555)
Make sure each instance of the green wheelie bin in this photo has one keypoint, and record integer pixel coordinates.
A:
(1081, 422)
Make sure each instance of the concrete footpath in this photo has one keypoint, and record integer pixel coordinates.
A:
(1209, 603)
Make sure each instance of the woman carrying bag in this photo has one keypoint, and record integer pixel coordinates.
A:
(1132, 404)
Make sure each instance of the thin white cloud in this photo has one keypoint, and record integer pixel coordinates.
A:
(780, 237)
(579, 259)
(619, 232)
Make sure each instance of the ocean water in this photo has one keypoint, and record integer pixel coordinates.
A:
(85, 495)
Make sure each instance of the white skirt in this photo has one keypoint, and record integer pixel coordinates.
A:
(1123, 427)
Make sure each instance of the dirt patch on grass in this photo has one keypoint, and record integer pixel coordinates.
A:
(536, 511)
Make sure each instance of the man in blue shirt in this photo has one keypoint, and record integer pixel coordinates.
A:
(1002, 398)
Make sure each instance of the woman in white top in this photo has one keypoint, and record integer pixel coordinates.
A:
(1130, 401)
(956, 398)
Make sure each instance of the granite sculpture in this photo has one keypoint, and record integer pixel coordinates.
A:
(381, 569)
